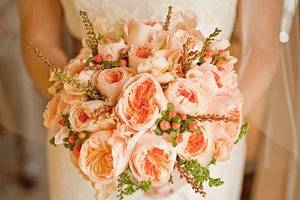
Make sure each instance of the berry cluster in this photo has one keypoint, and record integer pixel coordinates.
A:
(108, 61)
(75, 140)
(173, 124)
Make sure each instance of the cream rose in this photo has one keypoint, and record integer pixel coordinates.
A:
(187, 97)
(87, 116)
(197, 145)
(141, 102)
(112, 49)
(140, 32)
(111, 81)
(152, 159)
(99, 160)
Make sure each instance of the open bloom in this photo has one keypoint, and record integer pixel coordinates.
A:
(152, 159)
(141, 102)
(89, 116)
(111, 81)
(197, 145)
(223, 145)
(187, 97)
(99, 160)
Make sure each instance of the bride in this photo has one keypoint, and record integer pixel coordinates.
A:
(42, 22)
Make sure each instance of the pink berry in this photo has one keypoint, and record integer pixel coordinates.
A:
(221, 52)
(183, 116)
(193, 126)
(209, 53)
(77, 149)
(81, 135)
(72, 139)
(179, 139)
(175, 125)
(109, 57)
(83, 117)
(172, 114)
(61, 121)
(123, 63)
(165, 125)
(98, 58)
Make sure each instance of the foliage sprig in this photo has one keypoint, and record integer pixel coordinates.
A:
(59, 74)
(168, 18)
(91, 40)
(128, 185)
(200, 56)
(196, 175)
(243, 132)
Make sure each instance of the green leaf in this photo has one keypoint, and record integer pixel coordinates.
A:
(243, 132)
(158, 131)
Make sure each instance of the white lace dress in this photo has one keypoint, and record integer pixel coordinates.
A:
(65, 182)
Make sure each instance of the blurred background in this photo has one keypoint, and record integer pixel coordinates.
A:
(23, 140)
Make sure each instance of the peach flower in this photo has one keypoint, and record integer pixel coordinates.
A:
(87, 116)
(223, 145)
(99, 160)
(184, 20)
(152, 159)
(229, 104)
(112, 49)
(139, 33)
(187, 97)
(111, 81)
(53, 113)
(141, 102)
(197, 145)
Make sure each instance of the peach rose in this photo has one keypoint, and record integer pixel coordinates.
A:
(111, 81)
(228, 104)
(53, 113)
(152, 159)
(111, 49)
(99, 160)
(141, 102)
(87, 116)
(223, 145)
(187, 97)
(197, 145)
(139, 33)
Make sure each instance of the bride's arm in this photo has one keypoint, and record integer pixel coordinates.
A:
(260, 27)
(41, 24)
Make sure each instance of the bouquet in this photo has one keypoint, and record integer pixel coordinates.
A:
(143, 100)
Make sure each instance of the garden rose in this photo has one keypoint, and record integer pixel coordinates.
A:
(111, 81)
(87, 116)
(152, 159)
(197, 145)
(141, 102)
(99, 160)
(187, 97)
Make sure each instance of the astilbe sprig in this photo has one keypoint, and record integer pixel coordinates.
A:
(91, 40)
(216, 117)
(128, 185)
(200, 56)
(196, 175)
(168, 18)
(65, 78)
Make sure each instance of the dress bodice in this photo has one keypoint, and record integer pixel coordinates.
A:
(212, 13)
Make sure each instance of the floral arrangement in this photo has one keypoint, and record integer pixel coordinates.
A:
(146, 99)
